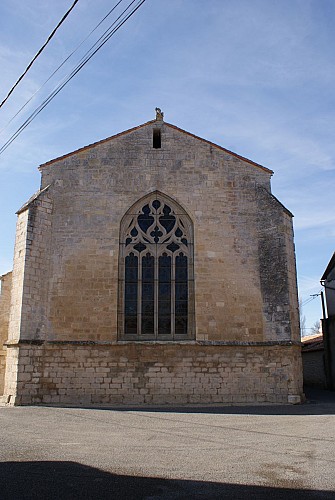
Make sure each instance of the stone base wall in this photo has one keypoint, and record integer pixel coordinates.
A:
(2, 368)
(155, 374)
(11, 376)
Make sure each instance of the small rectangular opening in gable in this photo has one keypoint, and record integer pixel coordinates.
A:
(156, 138)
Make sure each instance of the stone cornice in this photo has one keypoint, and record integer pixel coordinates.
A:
(78, 343)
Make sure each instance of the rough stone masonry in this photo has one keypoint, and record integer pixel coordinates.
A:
(96, 318)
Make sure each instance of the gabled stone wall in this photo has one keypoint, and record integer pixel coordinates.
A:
(63, 327)
(91, 191)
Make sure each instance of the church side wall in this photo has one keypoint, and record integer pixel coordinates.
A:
(131, 374)
(277, 269)
(292, 278)
(5, 294)
(14, 327)
(34, 323)
(66, 272)
(29, 284)
(18, 277)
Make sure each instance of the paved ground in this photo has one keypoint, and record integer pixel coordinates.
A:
(261, 452)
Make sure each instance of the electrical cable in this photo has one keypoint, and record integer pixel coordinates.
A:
(104, 38)
(310, 299)
(307, 301)
(61, 65)
(39, 52)
(82, 62)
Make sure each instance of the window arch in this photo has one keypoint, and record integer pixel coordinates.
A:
(156, 282)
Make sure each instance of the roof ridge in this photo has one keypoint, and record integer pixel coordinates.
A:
(102, 141)
(88, 146)
(240, 157)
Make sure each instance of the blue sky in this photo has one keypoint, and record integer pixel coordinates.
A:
(256, 77)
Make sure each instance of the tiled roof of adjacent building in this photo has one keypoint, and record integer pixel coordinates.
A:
(312, 343)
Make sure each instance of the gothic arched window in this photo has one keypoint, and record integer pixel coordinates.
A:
(156, 285)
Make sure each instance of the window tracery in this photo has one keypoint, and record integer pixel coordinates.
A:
(156, 271)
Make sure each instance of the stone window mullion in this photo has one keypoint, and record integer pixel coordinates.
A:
(156, 292)
(139, 297)
(173, 297)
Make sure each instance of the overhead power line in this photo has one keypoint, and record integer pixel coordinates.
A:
(120, 21)
(39, 52)
(60, 66)
(310, 299)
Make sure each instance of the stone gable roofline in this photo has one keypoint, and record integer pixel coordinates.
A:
(31, 199)
(273, 197)
(89, 146)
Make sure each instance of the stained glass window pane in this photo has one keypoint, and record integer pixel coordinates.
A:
(140, 247)
(156, 204)
(164, 307)
(164, 295)
(131, 269)
(182, 274)
(181, 308)
(164, 325)
(173, 247)
(181, 291)
(148, 326)
(156, 234)
(181, 295)
(164, 291)
(131, 308)
(130, 325)
(181, 325)
(130, 292)
(168, 222)
(147, 307)
(148, 269)
(165, 275)
(148, 295)
(145, 221)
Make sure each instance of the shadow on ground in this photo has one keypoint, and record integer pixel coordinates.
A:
(71, 480)
(318, 402)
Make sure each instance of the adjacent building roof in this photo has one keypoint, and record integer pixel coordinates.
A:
(312, 343)
(329, 268)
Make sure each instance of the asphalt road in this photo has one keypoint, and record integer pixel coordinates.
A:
(272, 452)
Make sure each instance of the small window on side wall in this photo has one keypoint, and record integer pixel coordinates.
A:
(156, 138)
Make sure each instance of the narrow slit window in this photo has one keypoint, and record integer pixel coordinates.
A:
(157, 140)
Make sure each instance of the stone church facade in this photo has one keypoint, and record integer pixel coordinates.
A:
(152, 267)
